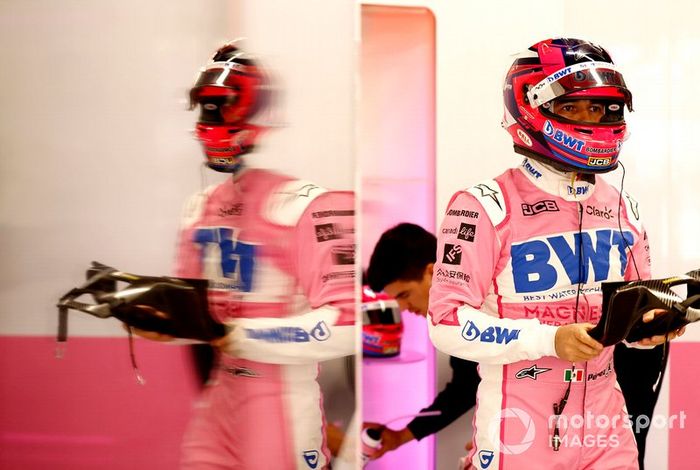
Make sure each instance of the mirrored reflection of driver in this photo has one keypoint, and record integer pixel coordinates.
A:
(284, 291)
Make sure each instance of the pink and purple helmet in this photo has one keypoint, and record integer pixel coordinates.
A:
(574, 69)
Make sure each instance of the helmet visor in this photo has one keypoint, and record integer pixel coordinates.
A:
(381, 313)
(214, 75)
(580, 77)
(577, 109)
(218, 109)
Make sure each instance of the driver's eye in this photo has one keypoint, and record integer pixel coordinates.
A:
(567, 108)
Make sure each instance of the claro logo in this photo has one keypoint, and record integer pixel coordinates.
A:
(605, 213)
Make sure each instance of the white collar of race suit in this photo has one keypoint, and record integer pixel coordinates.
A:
(558, 183)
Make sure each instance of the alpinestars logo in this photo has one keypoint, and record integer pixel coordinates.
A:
(486, 191)
(530, 372)
(453, 254)
(303, 191)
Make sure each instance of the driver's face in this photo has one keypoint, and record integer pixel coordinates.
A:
(412, 295)
(580, 110)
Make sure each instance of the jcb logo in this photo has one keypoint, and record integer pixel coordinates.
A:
(540, 206)
(598, 161)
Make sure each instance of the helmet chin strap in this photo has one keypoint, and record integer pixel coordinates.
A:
(586, 177)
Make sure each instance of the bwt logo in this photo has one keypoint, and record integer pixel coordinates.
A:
(290, 334)
(577, 190)
(220, 249)
(537, 264)
(557, 75)
(370, 338)
(492, 334)
(485, 458)
(562, 137)
(311, 458)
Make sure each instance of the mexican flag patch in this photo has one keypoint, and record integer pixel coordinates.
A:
(573, 375)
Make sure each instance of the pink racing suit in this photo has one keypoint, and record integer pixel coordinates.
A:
(509, 270)
(279, 254)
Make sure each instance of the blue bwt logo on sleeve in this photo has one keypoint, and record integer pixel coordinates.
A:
(485, 458)
(320, 332)
(311, 458)
(492, 334)
(290, 334)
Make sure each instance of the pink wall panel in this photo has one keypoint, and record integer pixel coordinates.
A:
(396, 151)
(396, 120)
(86, 411)
(684, 404)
